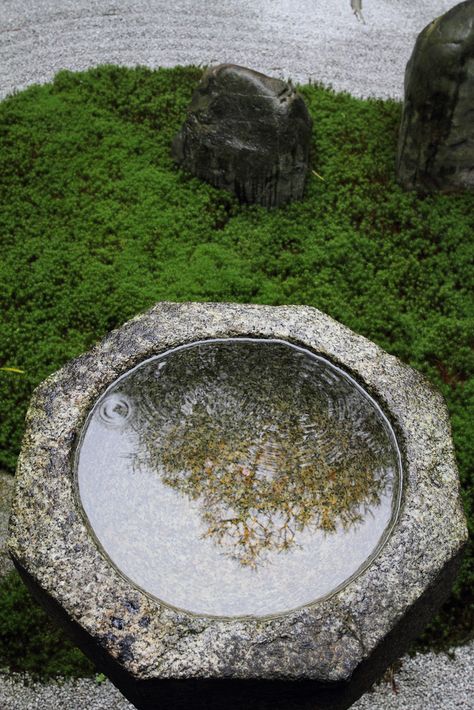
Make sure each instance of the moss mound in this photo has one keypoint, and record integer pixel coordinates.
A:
(97, 224)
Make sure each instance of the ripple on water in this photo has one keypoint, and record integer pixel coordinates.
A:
(238, 476)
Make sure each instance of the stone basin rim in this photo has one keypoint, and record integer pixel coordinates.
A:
(326, 642)
(398, 482)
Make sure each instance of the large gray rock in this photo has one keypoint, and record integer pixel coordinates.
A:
(436, 143)
(321, 654)
(247, 133)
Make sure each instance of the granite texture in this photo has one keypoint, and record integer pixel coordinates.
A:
(6, 492)
(326, 642)
(436, 142)
(247, 133)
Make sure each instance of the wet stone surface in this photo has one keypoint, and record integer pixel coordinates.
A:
(159, 654)
(238, 476)
(247, 133)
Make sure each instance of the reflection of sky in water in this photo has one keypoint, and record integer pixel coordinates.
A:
(155, 532)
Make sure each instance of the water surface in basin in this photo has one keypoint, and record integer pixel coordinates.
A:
(238, 476)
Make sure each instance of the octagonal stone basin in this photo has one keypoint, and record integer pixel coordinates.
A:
(210, 502)
(238, 476)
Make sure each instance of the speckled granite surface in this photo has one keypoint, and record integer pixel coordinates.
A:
(6, 492)
(325, 641)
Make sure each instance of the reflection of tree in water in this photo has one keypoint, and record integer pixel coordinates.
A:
(268, 443)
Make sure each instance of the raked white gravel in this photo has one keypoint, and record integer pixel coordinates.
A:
(317, 40)
(425, 682)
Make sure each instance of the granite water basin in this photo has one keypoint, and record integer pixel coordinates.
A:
(238, 506)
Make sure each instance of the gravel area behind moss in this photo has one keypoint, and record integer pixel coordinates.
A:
(424, 682)
(317, 40)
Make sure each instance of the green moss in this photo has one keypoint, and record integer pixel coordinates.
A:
(29, 641)
(98, 225)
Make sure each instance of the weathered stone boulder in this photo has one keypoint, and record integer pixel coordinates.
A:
(247, 133)
(436, 142)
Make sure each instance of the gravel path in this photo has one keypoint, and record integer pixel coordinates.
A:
(318, 40)
(425, 682)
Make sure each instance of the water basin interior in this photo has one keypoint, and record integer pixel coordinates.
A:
(238, 477)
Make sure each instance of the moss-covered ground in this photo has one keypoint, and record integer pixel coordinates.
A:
(97, 224)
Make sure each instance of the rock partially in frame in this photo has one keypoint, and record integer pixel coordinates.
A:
(436, 142)
(247, 133)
